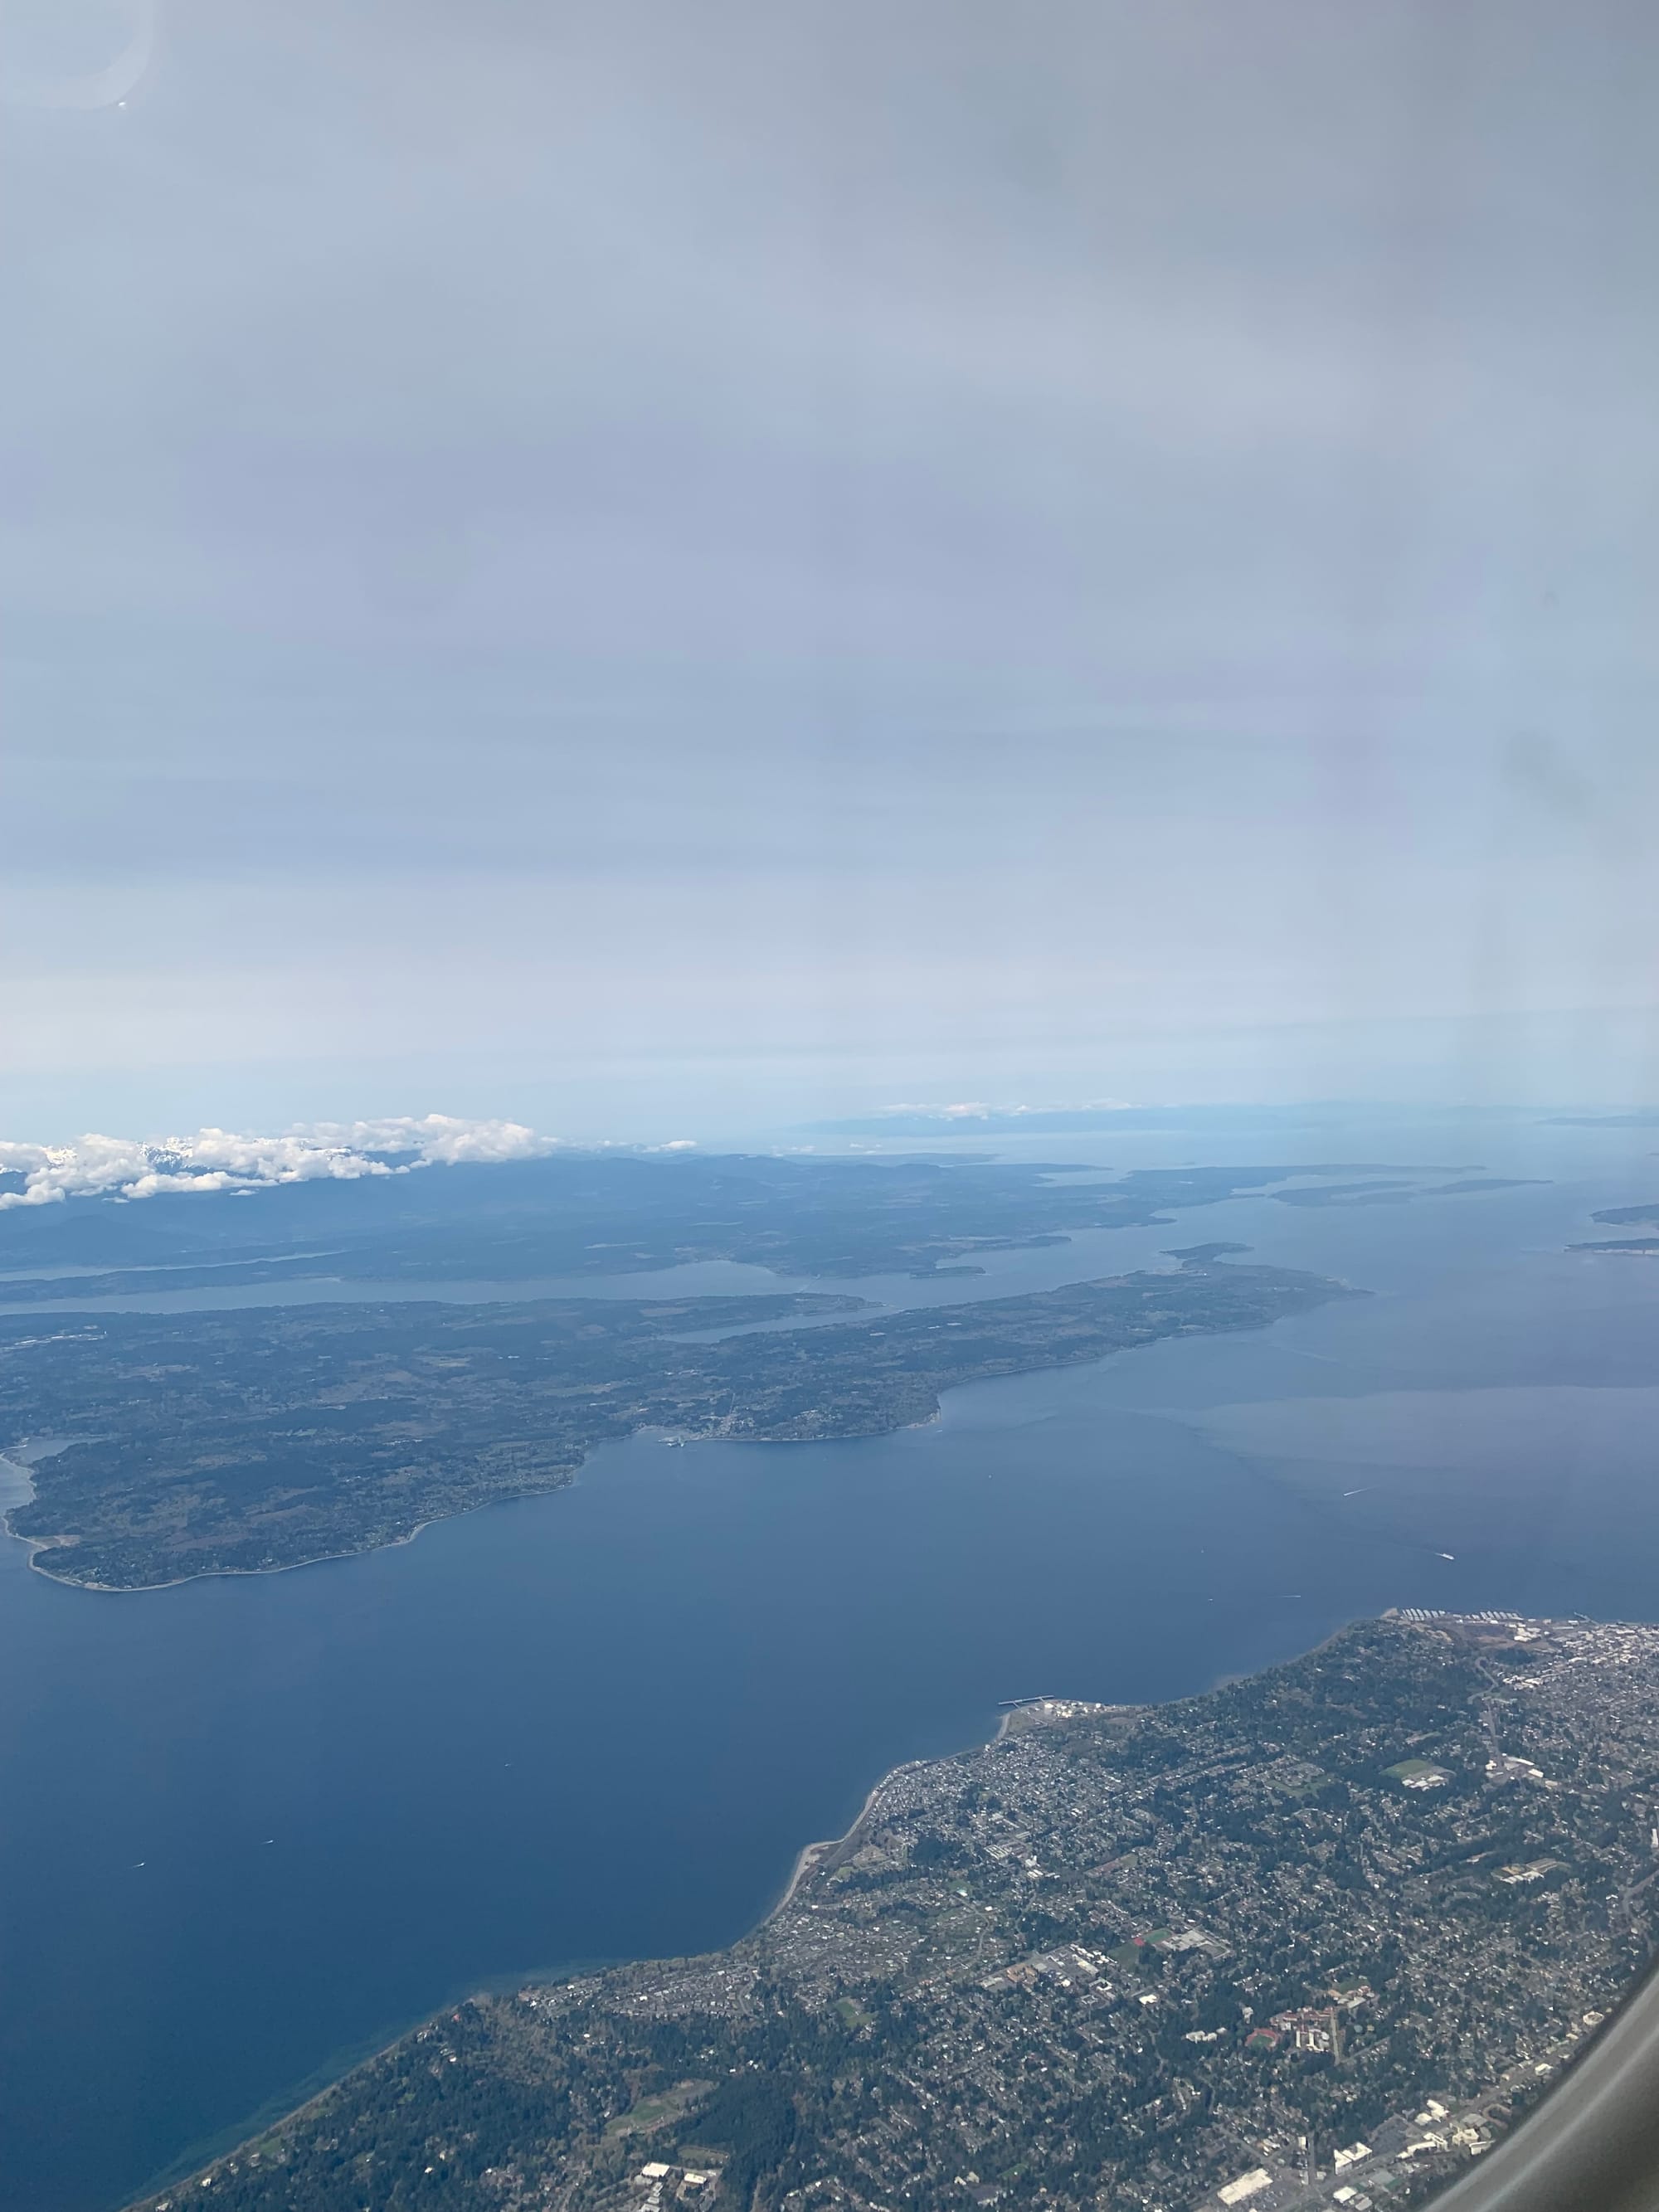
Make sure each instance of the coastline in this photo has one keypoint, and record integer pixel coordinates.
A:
(1030, 1712)
(811, 1856)
(808, 1860)
(18, 1469)
(811, 1859)
(1038, 1713)
(804, 1883)
(998, 1372)
(34, 1545)
(227, 1574)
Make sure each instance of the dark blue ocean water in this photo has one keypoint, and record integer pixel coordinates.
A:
(246, 1825)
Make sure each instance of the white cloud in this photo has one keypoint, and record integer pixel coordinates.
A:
(220, 1159)
(977, 1110)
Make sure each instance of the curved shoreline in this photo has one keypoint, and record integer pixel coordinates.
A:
(8, 1505)
(1050, 1711)
(275, 2114)
(36, 1544)
(1100, 1336)
(811, 1856)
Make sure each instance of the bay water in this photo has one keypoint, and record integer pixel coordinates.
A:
(249, 1826)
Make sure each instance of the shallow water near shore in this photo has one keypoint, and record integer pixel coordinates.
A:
(247, 1825)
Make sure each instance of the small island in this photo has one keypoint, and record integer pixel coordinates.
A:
(1634, 1248)
(1392, 1193)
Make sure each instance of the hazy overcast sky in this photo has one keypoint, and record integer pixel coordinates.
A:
(600, 561)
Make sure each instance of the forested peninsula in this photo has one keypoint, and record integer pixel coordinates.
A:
(248, 1441)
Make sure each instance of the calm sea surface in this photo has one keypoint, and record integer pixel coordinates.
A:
(248, 1826)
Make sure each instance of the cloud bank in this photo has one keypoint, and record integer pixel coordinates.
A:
(979, 1110)
(968, 550)
(220, 1159)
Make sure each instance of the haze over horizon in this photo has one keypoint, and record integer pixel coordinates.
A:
(639, 573)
